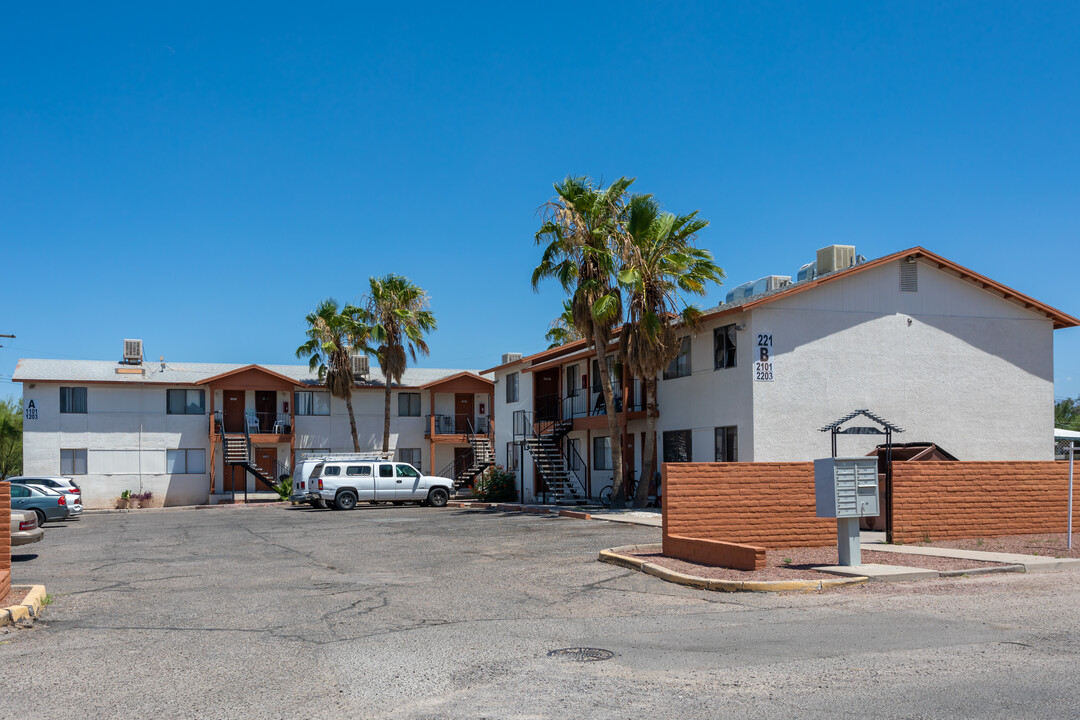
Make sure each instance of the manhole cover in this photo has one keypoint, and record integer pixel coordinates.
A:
(582, 654)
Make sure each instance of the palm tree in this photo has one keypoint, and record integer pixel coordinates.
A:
(399, 316)
(332, 334)
(583, 229)
(562, 328)
(660, 265)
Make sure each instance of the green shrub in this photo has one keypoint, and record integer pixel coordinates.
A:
(496, 485)
(283, 487)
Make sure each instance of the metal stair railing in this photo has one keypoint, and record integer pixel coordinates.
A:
(541, 437)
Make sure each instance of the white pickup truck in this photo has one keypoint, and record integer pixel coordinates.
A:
(343, 483)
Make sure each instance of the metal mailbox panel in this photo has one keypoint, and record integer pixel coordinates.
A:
(846, 487)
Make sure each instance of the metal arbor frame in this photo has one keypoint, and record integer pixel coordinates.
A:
(887, 429)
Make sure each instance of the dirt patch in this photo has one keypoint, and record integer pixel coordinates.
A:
(1047, 545)
(798, 564)
(15, 597)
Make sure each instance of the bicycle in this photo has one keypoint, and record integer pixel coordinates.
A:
(631, 491)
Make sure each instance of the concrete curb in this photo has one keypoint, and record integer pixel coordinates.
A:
(515, 507)
(175, 508)
(28, 609)
(614, 556)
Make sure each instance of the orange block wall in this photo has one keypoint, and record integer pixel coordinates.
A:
(5, 539)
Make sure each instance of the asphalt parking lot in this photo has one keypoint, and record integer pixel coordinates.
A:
(389, 612)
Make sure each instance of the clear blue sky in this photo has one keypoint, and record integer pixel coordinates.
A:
(200, 176)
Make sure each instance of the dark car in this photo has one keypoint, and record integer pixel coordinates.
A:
(47, 504)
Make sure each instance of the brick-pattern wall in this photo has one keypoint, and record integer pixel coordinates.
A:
(715, 552)
(943, 500)
(770, 505)
(5, 539)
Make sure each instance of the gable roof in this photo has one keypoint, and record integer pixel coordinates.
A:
(1061, 320)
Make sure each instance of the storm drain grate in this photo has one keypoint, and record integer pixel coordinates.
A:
(582, 654)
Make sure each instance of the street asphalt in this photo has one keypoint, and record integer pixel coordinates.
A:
(408, 612)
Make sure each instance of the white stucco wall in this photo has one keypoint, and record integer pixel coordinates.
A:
(504, 416)
(951, 364)
(709, 398)
(126, 434)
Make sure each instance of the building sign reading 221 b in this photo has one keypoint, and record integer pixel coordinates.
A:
(763, 363)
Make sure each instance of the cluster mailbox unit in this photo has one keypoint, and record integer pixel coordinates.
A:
(847, 489)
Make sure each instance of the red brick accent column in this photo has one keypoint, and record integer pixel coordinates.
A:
(769, 505)
(5, 539)
(943, 500)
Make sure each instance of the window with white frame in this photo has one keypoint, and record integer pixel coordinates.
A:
(185, 461)
(312, 402)
(727, 444)
(73, 400)
(680, 366)
(512, 388)
(678, 446)
(73, 461)
(185, 402)
(601, 453)
(724, 347)
(408, 404)
(513, 456)
(409, 455)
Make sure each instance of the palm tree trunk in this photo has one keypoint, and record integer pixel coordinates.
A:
(618, 494)
(352, 422)
(386, 419)
(641, 497)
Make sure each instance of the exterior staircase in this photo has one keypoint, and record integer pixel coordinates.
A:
(545, 447)
(237, 451)
(471, 465)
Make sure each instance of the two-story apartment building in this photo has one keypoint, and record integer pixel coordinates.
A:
(167, 427)
(950, 356)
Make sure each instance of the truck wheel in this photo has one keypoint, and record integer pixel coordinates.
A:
(438, 497)
(320, 503)
(345, 501)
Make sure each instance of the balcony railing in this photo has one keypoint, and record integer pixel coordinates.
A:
(457, 425)
(253, 423)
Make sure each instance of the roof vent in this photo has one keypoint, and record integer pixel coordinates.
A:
(835, 257)
(361, 366)
(909, 275)
(758, 287)
(133, 352)
(508, 358)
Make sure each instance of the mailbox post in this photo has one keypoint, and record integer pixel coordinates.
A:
(847, 489)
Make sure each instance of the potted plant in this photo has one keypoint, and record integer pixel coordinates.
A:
(124, 500)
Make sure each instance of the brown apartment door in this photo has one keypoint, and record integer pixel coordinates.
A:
(546, 394)
(233, 410)
(266, 459)
(235, 478)
(463, 411)
(264, 406)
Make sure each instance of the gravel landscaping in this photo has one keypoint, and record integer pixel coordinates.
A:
(1046, 545)
(798, 564)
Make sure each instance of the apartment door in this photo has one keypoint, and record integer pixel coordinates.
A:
(234, 479)
(266, 460)
(265, 407)
(232, 408)
(463, 412)
(546, 394)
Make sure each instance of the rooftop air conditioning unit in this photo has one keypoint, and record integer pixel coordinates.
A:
(508, 358)
(835, 257)
(133, 352)
(360, 365)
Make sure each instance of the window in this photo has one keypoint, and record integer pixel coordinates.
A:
(573, 451)
(601, 453)
(512, 388)
(678, 446)
(386, 471)
(680, 366)
(513, 456)
(407, 471)
(73, 462)
(724, 347)
(727, 444)
(359, 470)
(573, 382)
(185, 402)
(409, 455)
(18, 491)
(408, 404)
(73, 400)
(185, 462)
(614, 373)
(309, 402)
(331, 470)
